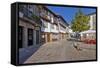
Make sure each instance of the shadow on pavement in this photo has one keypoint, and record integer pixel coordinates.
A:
(25, 53)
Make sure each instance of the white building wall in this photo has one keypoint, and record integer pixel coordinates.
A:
(48, 28)
(91, 22)
(45, 29)
(62, 30)
(55, 29)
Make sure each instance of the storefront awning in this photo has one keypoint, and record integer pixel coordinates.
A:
(88, 31)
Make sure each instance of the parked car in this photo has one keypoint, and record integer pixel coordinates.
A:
(87, 41)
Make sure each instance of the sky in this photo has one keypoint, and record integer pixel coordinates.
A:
(68, 13)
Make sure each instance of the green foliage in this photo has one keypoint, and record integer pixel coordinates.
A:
(80, 22)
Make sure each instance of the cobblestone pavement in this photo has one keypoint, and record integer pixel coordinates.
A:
(62, 51)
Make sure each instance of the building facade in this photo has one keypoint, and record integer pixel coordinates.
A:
(53, 26)
(29, 27)
(92, 21)
(38, 24)
(63, 28)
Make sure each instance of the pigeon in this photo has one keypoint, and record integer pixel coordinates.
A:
(76, 46)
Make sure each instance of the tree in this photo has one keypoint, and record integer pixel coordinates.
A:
(80, 22)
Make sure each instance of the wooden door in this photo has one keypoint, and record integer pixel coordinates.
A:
(48, 37)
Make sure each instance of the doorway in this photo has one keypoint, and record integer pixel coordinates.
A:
(30, 37)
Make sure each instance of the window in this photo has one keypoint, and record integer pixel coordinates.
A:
(25, 11)
(30, 37)
(29, 14)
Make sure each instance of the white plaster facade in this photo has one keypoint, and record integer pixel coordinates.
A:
(45, 26)
(27, 24)
(48, 27)
(89, 34)
(92, 21)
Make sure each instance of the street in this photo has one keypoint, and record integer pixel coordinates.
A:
(62, 50)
